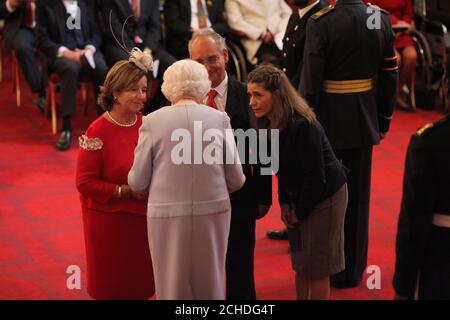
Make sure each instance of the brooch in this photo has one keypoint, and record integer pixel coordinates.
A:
(91, 144)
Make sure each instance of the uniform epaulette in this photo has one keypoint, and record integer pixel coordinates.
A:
(424, 129)
(377, 7)
(323, 12)
(431, 126)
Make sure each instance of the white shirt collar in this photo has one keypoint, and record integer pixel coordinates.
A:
(222, 87)
(305, 10)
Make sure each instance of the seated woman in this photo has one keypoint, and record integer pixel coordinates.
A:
(402, 13)
(312, 188)
(115, 226)
(189, 207)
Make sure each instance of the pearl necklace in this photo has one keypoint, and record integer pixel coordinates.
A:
(121, 124)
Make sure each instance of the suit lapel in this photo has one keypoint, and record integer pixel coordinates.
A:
(293, 24)
(187, 7)
(84, 26)
(59, 15)
(231, 98)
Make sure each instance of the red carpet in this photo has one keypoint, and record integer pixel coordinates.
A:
(40, 217)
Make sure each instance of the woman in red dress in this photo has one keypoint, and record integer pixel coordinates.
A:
(402, 13)
(114, 217)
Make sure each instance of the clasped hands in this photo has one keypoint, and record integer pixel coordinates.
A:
(267, 37)
(75, 55)
(288, 216)
(126, 193)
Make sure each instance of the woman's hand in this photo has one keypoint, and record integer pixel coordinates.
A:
(262, 210)
(288, 216)
(285, 214)
(127, 193)
(140, 195)
(293, 218)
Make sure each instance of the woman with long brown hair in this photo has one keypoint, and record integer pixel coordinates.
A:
(312, 189)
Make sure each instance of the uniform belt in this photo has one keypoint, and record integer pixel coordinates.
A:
(348, 86)
(441, 220)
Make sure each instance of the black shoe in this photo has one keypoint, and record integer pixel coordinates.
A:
(64, 141)
(339, 281)
(405, 108)
(40, 103)
(278, 234)
(345, 284)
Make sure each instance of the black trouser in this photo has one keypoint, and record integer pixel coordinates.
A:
(69, 71)
(23, 45)
(240, 281)
(356, 228)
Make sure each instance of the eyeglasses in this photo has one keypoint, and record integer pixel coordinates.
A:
(212, 60)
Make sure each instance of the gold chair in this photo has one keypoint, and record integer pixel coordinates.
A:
(16, 78)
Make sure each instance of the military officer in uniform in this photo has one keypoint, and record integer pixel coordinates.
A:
(349, 77)
(423, 234)
(292, 58)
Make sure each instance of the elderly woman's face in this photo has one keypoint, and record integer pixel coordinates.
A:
(132, 99)
(261, 100)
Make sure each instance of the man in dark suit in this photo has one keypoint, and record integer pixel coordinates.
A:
(423, 234)
(143, 30)
(149, 30)
(253, 200)
(117, 11)
(183, 18)
(348, 53)
(19, 36)
(68, 36)
(292, 58)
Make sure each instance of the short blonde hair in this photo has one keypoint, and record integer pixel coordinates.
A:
(121, 76)
(186, 79)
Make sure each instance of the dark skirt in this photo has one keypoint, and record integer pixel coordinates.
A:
(317, 243)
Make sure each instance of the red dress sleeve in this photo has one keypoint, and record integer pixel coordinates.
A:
(88, 173)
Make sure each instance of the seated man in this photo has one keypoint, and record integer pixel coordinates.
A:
(149, 30)
(142, 29)
(67, 36)
(184, 17)
(19, 36)
(263, 24)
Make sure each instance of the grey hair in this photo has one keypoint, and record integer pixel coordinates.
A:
(208, 33)
(186, 79)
